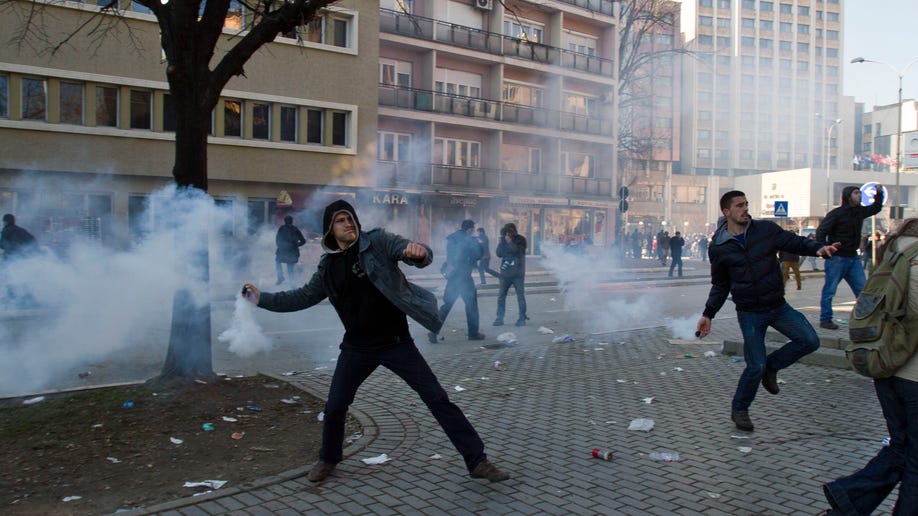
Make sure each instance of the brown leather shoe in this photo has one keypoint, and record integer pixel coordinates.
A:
(320, 471)
(486, 469)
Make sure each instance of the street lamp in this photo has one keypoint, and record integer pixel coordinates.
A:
(828, 161)
(899, 74)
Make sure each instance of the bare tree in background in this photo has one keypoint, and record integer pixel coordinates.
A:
(200, 60)
(639, 22)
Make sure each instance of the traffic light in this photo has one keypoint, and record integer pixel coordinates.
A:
(623, 192)
(623, 206)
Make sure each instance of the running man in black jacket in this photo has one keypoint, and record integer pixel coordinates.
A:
(744, 263)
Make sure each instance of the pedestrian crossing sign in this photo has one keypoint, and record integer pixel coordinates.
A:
(780, 208)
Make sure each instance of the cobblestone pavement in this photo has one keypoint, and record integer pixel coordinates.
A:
(553, 402)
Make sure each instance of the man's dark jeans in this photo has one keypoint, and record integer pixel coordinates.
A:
(677, 259)
(461, 285)
(862, 492)
(518, 284)
(406, 361)
(791, 323)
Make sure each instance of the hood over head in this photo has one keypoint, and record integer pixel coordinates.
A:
(328, 238)
(846, 194)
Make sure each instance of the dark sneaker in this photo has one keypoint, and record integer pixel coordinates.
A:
(498, 322)
(741, 418)
(477, 336)
(829, 325)
(431, 337)
(770, 381)
(320, 471)
(486, 469)
(521, 321)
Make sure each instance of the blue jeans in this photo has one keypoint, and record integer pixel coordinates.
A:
(404, 359)
(862, 492)
(803, 341)
(461, 285)
(676, 259)
(518, 286)
(837, 268)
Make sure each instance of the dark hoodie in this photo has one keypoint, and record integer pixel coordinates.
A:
(843, 224)
(328, 240)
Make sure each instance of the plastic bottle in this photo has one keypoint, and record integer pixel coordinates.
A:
(601, 453)
(666, 456)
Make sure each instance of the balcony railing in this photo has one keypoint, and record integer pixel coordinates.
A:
(396, 22)
(405, 173)
(473, 107)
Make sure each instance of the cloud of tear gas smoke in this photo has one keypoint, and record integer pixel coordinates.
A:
(244, 336)
(95, 301)
(684, 328)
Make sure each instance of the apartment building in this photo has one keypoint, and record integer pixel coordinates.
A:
(87, 133)
(764, 86)
(500, 112)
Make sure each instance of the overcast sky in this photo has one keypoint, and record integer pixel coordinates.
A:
(881, 30)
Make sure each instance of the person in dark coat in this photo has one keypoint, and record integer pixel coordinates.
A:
(16, 241)
(676, 243)
(744, 265)
(360, 276)
(485, 261)
(288, 241)
(512, 253)
(462, 254)
(843, 224)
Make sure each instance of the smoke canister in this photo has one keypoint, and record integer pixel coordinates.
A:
(601, 453)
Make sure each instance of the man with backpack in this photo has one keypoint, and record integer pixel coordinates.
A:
(884, 334)
(843, 224)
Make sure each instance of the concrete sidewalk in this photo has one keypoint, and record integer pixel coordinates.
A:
(552, 403)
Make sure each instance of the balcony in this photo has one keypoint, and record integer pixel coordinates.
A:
(433, 176)
(395, 22)
(497, 111)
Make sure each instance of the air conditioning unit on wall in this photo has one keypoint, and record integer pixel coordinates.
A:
(484, 5)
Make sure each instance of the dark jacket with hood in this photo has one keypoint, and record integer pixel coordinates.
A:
(750, 270)
(288, 241)
(462, 254)
(514, 251)
(843, 224)
(379, 254)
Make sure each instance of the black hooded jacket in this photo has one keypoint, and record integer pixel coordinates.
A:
(750, 270)
(843, 224)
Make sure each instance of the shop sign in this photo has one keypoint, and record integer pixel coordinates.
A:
(284, 199)
(592, 204)
(465, 202)
(389, 198)
(550, 201)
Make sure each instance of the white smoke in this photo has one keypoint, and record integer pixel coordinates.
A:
(684, 328)
(244, 336)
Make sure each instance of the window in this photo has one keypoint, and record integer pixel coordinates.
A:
(706, 21)
(520, 158)
(586, 44)
(787, 9)
(34, 99)
(703, 135)
(455, 82)
(525, 30)
(832, 35)
(803, 28)
(723, 60)
(766, 25)
(803, 10)
(395, 73)
(723, 41)
(766, 43)
(747, 60)
(393, 146)
(766, 6)
(662, 39)
(315, 128)
(106, 106)
(71, 103)
(748, 23)
(141, 109)
(522, 94)
(328, 28)
(261, 121)
(747, 41)
(339, 128)
(704, 115)
(456, 153)
(723, 23)
(748, 4)
(232, 118)
(803, 48)
(4, 96)
(579, 104)
(577, 164)
(706, 3)
(833, 17)
(831, 52)
(766, 62)
(705, 39)
(723, 4)
(703, 153)
(803, 66)
(745, 154)
(786, 27)
(785, 46)
(288, 123)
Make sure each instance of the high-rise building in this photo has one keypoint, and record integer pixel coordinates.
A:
(764, 85)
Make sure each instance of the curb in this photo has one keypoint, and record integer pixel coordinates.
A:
(831, 352)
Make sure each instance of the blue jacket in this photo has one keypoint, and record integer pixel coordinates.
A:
(379, 254)
(750, 271)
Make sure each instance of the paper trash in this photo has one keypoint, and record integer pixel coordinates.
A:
(213, 484)
(380, 459)
(545, 331)
(642, 424)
